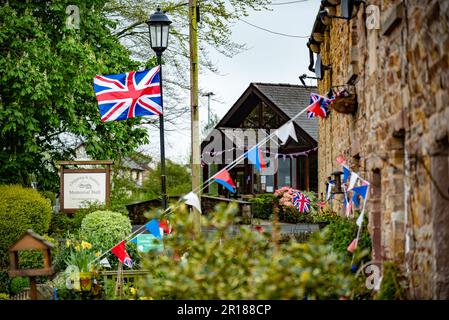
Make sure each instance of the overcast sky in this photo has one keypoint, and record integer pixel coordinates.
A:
(270, 58)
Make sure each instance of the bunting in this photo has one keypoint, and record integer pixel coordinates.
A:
(223, 177)
(193, 200)
(346, 173)
(154, 229)
(255, 157)
(286, 131)
(120, 252)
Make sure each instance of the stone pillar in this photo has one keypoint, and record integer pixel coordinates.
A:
(439, 170)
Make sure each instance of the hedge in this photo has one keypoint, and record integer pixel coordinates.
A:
(20, 209)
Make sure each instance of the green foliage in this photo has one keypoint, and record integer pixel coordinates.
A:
(5, 281)
(61, 223)
(262, 205)
(340, 233)
(51, 196)
(104, 229)
(18, 284)
(324, 215)
(4, 296)
(178, 180)
(46, 89)
(21, 209)
(392, 286)
(244, 265)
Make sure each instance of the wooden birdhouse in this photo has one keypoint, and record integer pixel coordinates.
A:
(30, 241)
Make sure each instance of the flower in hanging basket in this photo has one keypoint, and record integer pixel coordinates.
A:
(345, 102)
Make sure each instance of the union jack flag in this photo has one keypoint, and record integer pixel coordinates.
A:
(301, 202)
(128, 95)
(318, 106)
(128, 262)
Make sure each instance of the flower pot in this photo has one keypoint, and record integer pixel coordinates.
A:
(86, 281)
(345, 104)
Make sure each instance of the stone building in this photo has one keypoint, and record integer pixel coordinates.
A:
(392, 58)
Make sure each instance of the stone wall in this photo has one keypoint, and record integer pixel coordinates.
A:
(398, 137)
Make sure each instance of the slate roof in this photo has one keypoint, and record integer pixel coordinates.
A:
(291, 99)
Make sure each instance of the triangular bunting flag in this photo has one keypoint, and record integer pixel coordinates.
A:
(166, 227)
(360, 219)
(348, 209)
(346, 173)
(353, 180)
(225, 180)
(153, 228)
(120, 252)
(362, 191)
(193, 200)
(352, 246)
(105, 263)
(255, 157)
(355, 200)
(286, 131)
(133, 240)
(329, 189)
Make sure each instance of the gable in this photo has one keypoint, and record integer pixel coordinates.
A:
(271, 105)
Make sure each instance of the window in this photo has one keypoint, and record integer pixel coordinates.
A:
(284, 177)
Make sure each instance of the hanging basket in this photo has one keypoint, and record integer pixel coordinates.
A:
(345, 100)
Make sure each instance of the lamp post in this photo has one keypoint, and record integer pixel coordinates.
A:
(159, 25)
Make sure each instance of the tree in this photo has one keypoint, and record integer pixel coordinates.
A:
(178, 180)
(47, 101)
(214, 33)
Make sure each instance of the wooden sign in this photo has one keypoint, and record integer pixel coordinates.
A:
(82, 186)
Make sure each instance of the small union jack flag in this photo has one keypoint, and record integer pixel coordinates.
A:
(301, 202)
(128, 262)
(128, 95)
(318, 106)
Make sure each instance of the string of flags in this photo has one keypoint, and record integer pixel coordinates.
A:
(359, 188)
(266, 151)
(150, 103)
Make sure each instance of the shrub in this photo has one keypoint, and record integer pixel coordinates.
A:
(288, 212)
(18, 284)
(105, 229)
(340, 233)
(392, 286)
(243, 265)
(21, 209)
(262, 206)
(4, 296)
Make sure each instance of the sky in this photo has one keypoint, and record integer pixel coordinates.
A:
(270, 58)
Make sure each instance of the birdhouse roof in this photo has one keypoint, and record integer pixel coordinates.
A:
(30, 240)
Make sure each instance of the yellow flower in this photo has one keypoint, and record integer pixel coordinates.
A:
(67, 243)
(78, 248)
(97, 254)
(133, 291)
(86, 245)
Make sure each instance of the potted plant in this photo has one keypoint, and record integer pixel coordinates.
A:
(345, 100)
(82, 256)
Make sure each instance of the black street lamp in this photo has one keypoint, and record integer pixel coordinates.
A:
(159, 25)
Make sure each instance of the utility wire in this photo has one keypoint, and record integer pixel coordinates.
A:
(289, 2)
(274, 32)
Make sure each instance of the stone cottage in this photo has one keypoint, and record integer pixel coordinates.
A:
(391, 59)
